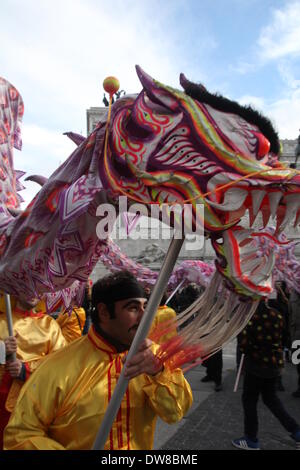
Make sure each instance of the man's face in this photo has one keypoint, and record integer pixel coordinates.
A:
(128, 314)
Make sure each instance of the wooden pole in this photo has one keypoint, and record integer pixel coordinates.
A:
(239, 373)
(9, 320)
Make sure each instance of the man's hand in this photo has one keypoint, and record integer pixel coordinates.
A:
(14, 368)
(10, 345)
(143, 362)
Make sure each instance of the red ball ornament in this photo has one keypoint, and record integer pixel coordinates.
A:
(111, 85)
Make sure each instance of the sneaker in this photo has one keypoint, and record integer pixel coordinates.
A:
(206, 379)
(296, 437)
(218, 387)
(296, 394)
(245, 443)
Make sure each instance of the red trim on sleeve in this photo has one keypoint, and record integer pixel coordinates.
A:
(109, 397)
(128, 418)
(28, 371)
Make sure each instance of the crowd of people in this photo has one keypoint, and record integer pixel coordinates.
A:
(46, 404)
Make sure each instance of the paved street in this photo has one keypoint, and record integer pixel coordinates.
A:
(217, 417)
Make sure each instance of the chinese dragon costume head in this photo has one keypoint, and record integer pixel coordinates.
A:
(162, 146)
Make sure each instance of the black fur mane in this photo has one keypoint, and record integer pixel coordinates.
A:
(199, 93)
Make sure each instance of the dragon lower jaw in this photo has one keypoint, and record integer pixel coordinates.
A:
(248, 270)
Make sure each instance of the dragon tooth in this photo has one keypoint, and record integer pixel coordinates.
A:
(292, 205)
(274, 199)
(257, 198)
(233, 200)
(297, 218)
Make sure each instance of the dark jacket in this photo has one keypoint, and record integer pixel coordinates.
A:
(261, 342)
(294, 313)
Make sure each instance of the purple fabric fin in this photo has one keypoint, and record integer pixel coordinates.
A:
(39, 179)
(76, 138)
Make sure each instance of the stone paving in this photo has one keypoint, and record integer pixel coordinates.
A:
(217, 417)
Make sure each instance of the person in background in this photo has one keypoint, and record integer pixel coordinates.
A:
(36, 336)
(261, 342)
(214, 367)
(294, 311)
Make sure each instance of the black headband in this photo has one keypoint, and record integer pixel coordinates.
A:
(128, 289)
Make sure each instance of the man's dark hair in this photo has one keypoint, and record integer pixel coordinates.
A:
(110, 289)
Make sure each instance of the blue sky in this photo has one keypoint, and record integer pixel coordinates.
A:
(57, 53)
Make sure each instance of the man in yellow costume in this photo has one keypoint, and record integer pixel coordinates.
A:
(63, 404)
(36, 336)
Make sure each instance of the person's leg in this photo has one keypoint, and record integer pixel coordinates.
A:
(296, 393)
(218, 367)
(275, 405)
(279, 384)
(251, 390)
(207, 377)
(214, 367)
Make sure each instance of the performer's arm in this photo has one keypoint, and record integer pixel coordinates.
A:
(10, 346)
(36, 408)
(169, 393)
(54, 340)
(17, 369)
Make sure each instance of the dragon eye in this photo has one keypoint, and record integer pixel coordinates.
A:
(263, 145)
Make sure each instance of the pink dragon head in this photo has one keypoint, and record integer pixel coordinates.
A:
(168, 146)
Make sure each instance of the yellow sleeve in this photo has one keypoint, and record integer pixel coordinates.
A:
(170, 394)
(54, 340)
(72, 325)
(165, 318)
(35, 409)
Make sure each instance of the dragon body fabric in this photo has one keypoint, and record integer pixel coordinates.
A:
(162, 146)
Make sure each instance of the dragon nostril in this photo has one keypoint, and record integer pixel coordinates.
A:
(263, 145)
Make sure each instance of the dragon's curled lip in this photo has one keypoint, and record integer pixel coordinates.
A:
(283, 206)
(250, 270)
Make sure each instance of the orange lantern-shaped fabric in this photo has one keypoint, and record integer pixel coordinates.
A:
(111, 85)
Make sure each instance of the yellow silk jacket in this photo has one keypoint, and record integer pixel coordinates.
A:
(163, 315)
(72, 325)
(37, 336)
(63, 403)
